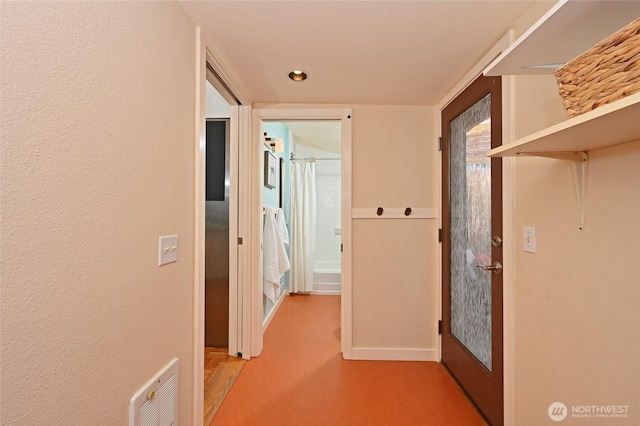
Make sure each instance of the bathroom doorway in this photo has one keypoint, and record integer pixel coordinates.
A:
(313, 154)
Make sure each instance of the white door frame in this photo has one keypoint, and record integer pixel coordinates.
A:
(344, 116)
(198, 231)
(239, 197)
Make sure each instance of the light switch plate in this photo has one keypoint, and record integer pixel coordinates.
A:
(529, 239)
(168, 249)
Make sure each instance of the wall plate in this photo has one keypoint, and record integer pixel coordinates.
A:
(529, 239)
(168, 249)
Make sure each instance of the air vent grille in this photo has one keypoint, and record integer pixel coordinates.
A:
(155, 404)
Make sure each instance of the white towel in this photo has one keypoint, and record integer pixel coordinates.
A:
(274, 257)
(282, 227)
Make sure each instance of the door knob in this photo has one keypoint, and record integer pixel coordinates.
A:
(496, 267)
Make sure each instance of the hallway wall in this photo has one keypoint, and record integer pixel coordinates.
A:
(395, 264)
(395, 274)
(97, 162)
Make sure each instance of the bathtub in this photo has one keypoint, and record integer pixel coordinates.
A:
(326, 281)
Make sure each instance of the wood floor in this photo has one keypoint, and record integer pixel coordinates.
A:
(301, 379)
(220, 371)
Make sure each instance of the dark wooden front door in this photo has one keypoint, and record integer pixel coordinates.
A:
(472, 246)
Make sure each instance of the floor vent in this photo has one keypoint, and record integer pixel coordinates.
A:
(156, 404)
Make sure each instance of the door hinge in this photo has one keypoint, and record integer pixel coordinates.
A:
(239, 240)
(341, 248)
(439, 235)
(440, 143)
(439, 326)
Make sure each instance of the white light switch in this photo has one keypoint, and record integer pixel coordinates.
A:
(529, 239)
(168, 249)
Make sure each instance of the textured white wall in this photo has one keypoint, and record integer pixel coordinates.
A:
(97, 162)
(395, 261)
(577, 319)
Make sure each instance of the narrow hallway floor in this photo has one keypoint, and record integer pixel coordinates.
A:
(220, 371)
(302, 379)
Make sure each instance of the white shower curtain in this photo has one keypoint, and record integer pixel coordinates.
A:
(303, 225)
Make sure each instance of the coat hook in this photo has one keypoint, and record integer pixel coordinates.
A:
(407, 211)
(379, 211)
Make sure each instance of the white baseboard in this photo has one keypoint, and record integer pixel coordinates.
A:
(394, 354)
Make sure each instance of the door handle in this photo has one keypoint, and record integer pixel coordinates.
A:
(496, 267)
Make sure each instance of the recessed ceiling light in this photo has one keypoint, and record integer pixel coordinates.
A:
(298, 75)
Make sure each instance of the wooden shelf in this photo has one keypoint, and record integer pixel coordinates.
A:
(570, 140)
(568, 29)
(608, 125)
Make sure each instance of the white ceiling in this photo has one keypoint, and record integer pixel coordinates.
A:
(320, 134)
(356, 52)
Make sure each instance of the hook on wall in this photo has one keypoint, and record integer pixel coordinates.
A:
(407, 211)
(379, 211)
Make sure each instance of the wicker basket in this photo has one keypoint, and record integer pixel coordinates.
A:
(607, 72)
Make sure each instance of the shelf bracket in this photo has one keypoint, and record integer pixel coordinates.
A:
(579, 162)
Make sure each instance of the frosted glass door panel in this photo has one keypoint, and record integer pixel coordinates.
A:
(470, 195)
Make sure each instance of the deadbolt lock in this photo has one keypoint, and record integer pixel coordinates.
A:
(496, 241)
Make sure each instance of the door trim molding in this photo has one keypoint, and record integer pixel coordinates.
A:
(239, 125)
(508, 255)
(199, 229)
(244, 229)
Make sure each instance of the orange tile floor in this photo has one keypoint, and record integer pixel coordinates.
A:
(301, 379)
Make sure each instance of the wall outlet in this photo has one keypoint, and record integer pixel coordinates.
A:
(529, 239)
(168, 249)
